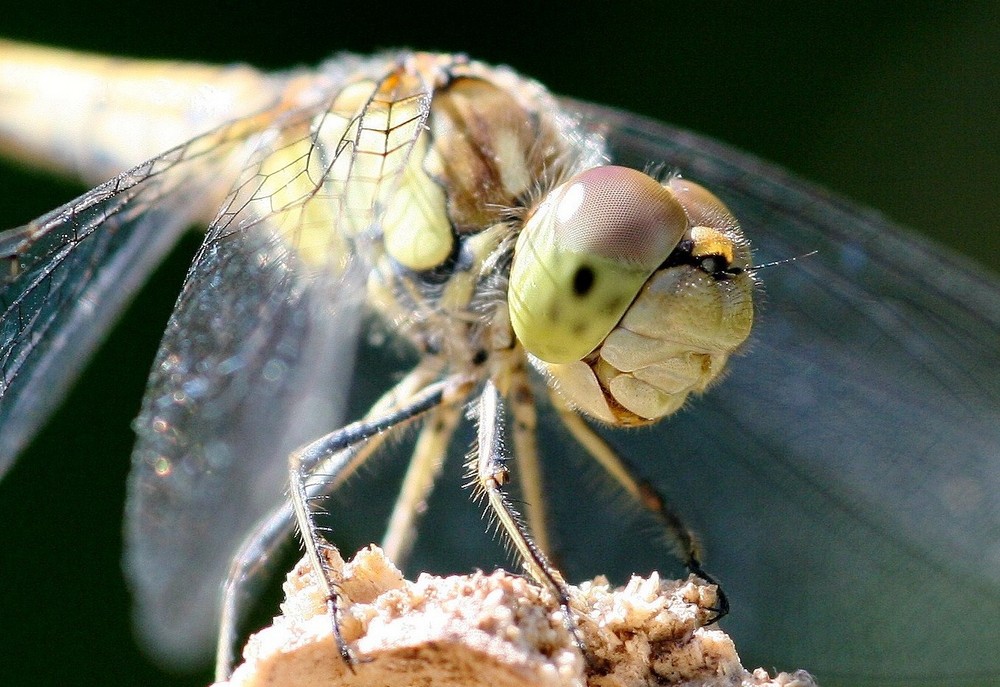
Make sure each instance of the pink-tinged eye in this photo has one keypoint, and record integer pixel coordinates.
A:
(583, 256)
(619, 214)
(703, 208)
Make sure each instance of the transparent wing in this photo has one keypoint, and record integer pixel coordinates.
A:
(845, 475)
(68, 274)
(257, 357)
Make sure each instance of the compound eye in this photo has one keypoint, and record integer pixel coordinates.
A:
(584, 254)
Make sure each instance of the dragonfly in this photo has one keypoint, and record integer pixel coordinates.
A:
(841, 476)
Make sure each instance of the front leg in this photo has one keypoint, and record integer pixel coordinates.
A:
(491, 475)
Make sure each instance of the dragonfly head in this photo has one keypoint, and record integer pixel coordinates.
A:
(630, 294)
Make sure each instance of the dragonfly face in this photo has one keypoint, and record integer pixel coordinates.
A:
(628, 318)
(851, 451)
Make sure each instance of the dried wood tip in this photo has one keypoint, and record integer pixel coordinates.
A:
(494, 630)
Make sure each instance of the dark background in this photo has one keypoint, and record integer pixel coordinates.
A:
(894, 105)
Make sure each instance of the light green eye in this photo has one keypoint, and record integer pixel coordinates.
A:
(583, 256)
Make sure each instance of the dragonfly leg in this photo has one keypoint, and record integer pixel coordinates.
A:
(644, 494)
(302, 463)
(247, 570)
(254, 559)
(491, 475)
(425, 466)
(524, 432)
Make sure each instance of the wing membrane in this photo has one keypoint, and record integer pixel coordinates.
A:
(70, 273)
(257, 356)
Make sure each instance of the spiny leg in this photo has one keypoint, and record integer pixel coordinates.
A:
(644, 493)
(491, 475)
(246, 570)
(529, 471)
(425, 467)
(250, 562)
(302, 461)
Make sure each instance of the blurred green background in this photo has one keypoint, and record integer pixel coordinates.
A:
(891, 104)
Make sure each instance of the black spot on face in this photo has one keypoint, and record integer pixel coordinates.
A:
(681, 255)
(583, 280)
